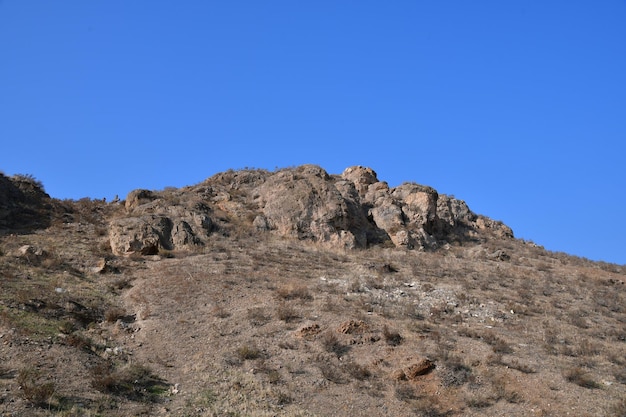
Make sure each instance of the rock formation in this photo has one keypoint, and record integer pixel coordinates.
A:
(24, 204)
(351, 210)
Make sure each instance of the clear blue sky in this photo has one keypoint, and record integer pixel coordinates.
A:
(517, 107)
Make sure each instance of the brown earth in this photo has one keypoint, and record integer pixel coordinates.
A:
(297, 293)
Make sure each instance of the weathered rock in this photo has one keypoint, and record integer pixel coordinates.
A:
(353, 326)
(452, 212)
(137, 198)
(419, 368)
(30, 253)
(351, 210)
(496, 227)
(361, 177)
(419, 204)
(143, 235)
(155, 223)
(387, 215)
(260, 223)
(309, 331)
(102, 267)
(306, 203)
(499, 255)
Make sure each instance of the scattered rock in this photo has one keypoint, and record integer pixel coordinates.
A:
(499, 255)
(309, 331)
(419, 368)
(102, 267)
(353, 326)
(27, 251)
(398, 375)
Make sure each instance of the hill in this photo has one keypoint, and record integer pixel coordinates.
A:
(296, 293)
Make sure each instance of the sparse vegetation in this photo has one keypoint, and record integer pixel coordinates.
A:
(248, 352)
(580, 377)
(250, 323)
(36, 387)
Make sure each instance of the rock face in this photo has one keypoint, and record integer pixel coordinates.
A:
(24, 204)
(351, 210)
(307, 203)
(155, 224)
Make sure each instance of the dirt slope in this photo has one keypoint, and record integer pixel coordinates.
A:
(260, 321)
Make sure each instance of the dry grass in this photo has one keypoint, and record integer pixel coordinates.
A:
(225, 324)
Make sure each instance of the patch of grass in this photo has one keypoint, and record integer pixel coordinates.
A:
(134, 382)
(112, 314)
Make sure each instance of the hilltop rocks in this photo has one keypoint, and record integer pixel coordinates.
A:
(351, 210)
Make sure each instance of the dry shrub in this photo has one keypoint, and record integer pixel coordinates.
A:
(113, 314)
(405, 392)
(248, 352)
(257, 316)
(498, 344)
(293, 291)
(330, 371)
(357, 371)
(620, 375)
(331, 344)
(286, 312)
(454, 373)
(220, 311)
(119, 284)
(619, 409)
(579, 377)
(392, 337)
(587, 348)
(526, 369)
(35, 387)
(78, 341)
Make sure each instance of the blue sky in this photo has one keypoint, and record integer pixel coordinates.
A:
(516, 107)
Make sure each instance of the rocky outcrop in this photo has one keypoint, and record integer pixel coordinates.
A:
(351, 210)
(154, 224)
(24, 205)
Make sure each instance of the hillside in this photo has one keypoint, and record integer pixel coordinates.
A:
(296, 293)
